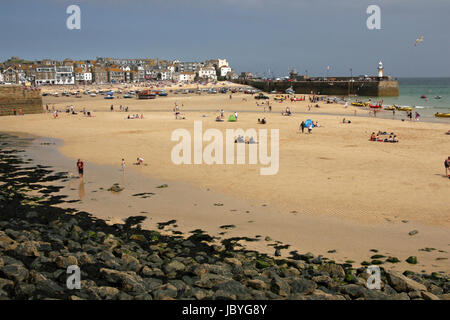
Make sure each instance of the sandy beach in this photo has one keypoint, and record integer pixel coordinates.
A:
(335, 190)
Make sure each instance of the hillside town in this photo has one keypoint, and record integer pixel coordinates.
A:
(110, 70)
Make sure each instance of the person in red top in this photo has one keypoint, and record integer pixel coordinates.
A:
(80, 166)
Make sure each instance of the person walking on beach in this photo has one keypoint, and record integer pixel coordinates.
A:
(302, 125)
(112, 107)
(310, 127)
(123, 164)
(80, 166)
(447, 167)
(417, 116)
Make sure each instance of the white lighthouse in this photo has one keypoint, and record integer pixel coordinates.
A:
(380, 70)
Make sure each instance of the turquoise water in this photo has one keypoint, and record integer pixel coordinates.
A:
(411, 90)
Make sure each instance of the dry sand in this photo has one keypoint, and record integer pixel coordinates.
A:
(343, 191)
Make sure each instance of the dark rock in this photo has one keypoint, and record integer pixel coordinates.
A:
(333, 270)
(412, 260)
(234, 288)
(303, 286)
(280, 287)
(402, 283)
(14, 272)
(64, 262)
(6, 286)
(28, 249)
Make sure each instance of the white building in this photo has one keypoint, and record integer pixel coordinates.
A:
(65, 75)
(164, 75)
(184, 76)
(207, 73)
(224, 71)
(83, 76)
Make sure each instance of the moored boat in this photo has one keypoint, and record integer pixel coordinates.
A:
(442, 115)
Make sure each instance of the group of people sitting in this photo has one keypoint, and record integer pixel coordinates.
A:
(262, 121)
(346, 121)
(240, 139)
(376, 137)
(136, 116)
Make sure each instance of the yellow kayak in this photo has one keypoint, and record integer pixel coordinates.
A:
(442, 115)
(404, 109)
(391, 108)
(279, 97)
(359, 104)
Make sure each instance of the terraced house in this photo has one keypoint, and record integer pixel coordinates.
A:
(115, 74)
(45, 75)
(64, 75)
(99, 75)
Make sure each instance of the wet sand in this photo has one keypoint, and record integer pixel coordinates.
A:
(224, 216)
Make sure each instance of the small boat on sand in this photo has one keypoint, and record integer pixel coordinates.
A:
(442, 115)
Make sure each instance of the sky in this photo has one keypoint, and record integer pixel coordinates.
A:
(254, 35)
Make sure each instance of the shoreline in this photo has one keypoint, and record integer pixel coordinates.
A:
(194, 209)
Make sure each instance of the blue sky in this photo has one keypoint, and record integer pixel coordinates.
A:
(254, 35)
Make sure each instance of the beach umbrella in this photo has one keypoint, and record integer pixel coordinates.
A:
(308, 122)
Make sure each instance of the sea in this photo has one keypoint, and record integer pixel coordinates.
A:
(411, 91)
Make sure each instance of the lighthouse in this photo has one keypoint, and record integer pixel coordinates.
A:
(380, 70)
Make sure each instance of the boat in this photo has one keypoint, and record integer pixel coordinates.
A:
(423, 96)
(146, 94)
(442, 115)
(290, 90)
(162, 94)
(438, 97)
(376, 106)
(404, 108)
(279, 97)
(297, 99)
(109, 97)
(358, 104)
(393, 107)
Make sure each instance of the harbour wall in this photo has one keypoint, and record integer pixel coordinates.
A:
(19, 97)
(362, 88)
